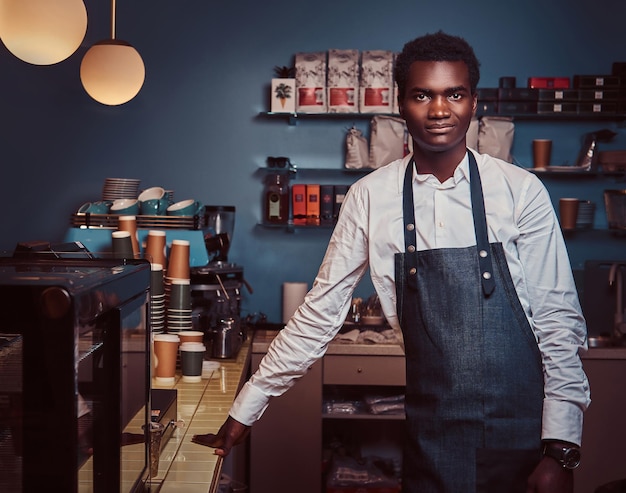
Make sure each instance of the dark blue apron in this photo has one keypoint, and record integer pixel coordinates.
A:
(474, 392)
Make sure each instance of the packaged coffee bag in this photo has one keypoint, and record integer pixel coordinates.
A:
(376, 83)
(343, 81)
(311, 82)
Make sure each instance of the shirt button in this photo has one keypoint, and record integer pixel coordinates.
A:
(411, 249)
(482, 253)
(410, 227)
(413, 271)
(440, 224)
(486, 275)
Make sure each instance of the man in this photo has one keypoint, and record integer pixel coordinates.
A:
(468, 260)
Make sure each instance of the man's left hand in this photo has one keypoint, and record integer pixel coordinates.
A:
(550, 477)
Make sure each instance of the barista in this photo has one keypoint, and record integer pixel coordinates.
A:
(468, 260)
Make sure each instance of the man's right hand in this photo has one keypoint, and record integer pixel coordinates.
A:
(231, 433)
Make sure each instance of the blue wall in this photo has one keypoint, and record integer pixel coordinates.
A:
(194, 127)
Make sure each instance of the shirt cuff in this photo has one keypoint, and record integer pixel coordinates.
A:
(562, 421)
(249, 405)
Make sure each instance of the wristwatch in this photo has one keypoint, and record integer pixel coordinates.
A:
(568, 457)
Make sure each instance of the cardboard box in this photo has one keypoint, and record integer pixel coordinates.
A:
(516, 108)
(313, 204)
(608, 108)
(598, 94)
(556, 107)
(343, 81)
(487, 93)
(376, 82)
(311, 82)
(517, 94)
(298, 203)
(549, 82)
(327, 194)
(587, 81)
(557, 94)
(339, 192)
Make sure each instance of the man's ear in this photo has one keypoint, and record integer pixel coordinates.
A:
(474, 103)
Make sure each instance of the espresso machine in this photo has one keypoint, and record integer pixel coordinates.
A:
(216, 287)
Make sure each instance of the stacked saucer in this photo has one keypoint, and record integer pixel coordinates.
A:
(586, 211)
(157, 300)
(120, 188)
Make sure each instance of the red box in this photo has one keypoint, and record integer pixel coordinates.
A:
(549, 82)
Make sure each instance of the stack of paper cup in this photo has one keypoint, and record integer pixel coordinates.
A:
(155, 247)
(157, 299)
(179, 306)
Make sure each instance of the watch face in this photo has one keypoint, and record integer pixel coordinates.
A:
(571, 458)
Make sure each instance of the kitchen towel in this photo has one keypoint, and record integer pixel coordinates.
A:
(293, 296)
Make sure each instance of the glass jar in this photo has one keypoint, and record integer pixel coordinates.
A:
(276, 199)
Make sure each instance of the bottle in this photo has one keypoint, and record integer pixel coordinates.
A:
(276, 199)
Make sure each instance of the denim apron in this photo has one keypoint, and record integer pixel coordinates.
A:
(474, 391)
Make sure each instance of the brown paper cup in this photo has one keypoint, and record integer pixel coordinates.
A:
(190, 336)
(568, 213)
(165, 353)
(155, 247)
(129, 223)
(178, 262)
(542, 150)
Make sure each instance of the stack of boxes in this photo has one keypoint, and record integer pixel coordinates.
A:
(582, 95)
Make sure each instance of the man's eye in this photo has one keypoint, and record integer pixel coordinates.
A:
(456, 96)
(420, 97)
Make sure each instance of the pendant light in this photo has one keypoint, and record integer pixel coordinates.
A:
(42, 32)
(112, 71)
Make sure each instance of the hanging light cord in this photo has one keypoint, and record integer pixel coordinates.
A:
(112, 19)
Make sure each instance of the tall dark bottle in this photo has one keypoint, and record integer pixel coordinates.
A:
(276, 199)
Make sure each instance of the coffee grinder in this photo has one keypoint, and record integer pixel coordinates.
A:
(216, 287)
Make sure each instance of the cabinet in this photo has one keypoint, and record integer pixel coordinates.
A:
(287, 443)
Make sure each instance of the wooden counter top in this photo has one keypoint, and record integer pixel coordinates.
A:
(185, 466)
(263, 338)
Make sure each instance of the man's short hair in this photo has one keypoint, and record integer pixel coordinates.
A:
(437, 47)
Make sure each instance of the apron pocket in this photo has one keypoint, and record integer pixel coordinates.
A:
(504, 470)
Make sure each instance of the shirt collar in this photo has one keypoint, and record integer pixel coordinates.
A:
(461, 172)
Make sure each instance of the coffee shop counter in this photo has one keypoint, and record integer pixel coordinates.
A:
(185, 466)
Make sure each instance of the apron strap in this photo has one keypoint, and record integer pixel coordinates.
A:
(480, 226)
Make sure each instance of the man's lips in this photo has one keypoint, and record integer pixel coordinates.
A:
(439, 129)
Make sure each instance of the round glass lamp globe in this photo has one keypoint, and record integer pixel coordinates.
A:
(112, 72)
(42, 32)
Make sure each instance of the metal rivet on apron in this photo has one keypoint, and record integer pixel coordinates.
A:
(410, 227)
(482, 253)
(411, 249)
(487, 275)
(413, 271)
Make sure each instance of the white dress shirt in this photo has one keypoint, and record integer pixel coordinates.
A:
(369, 232)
